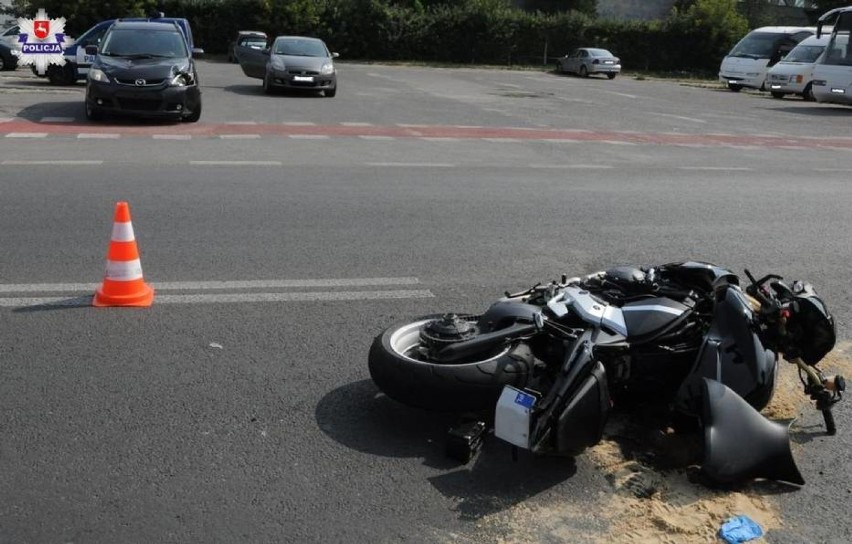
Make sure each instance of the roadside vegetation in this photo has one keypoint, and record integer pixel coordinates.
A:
(691, 40)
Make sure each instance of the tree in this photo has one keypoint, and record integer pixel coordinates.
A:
(82, 14)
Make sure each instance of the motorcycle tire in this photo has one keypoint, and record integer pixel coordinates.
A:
(467, 386)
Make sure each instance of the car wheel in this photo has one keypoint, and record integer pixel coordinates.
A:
(808, 93)
(777, 95)
(93, 114)
(331, 92)
(194, 116)
(268, 86)
(583, 71)
(611, 76)
(734, 87)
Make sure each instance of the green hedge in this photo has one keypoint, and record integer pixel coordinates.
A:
(465, 31)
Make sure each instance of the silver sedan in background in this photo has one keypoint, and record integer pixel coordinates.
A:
(589, 60)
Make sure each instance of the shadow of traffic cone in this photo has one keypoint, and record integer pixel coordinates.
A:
(123, 284)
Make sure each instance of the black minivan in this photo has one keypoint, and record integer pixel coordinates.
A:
(143, 69)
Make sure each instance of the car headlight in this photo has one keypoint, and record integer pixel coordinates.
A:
(183, 79)
(98, 75)
(278, 63)
(327, 69)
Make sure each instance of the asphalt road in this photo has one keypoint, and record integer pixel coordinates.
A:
(282, 233)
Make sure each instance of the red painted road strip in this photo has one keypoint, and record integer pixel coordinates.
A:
(212, 130)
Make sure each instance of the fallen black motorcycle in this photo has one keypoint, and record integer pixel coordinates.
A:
(550, 363)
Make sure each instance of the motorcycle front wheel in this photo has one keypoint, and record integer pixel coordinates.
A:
(400, 369)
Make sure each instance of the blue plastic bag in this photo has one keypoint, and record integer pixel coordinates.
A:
(740, 529)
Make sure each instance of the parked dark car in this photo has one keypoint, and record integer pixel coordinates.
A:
(78, 61)
(589, 60)
(292, 62)
(251, 38)
(143, 69)
(8, 61)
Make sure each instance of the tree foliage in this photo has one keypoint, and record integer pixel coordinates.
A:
(694, 38)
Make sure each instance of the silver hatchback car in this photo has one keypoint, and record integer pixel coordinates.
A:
(585, 61)
(292, 62)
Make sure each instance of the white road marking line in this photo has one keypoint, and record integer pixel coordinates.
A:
(625, 95)
(716, 168)
(98, 136)
(571, 166)
(225, 298)
(439, 139)
(309, 137)
(616, 142)
(236, 163)
(241, 122)
(27, 135)
(502, 140)
(409, 125)
(412, 164)
(356, 124)
(468, 126)
(57, 162)
(559, 141)
(171, 136)
(299, 123)
(57, 119)
(239, 136)
(380, 138)
(681, 117)
(210, 285)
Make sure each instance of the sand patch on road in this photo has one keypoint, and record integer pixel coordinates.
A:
(658, 495)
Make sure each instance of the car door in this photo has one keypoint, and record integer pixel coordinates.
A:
(571, 61)
(252, 61)
(583, 58)
(78, 50)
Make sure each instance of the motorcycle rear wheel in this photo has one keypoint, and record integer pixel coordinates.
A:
(472, 385)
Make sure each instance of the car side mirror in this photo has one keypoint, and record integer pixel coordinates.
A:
(335, 55)
(91, 49)
(197, 52)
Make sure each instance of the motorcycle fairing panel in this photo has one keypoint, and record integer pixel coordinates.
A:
(551, 362)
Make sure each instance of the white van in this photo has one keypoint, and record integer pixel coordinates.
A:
(762, 48)
(794, 73)
(833, 72)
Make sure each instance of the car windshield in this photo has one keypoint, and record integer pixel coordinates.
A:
(253, 42)
(599, 53)
(136, 43)
(757, 45)
(300, 48)
(805, 53)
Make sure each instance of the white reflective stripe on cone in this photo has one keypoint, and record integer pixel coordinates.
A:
(122, 232)
(124, 270)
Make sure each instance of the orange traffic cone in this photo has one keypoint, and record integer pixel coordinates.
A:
(123, 284)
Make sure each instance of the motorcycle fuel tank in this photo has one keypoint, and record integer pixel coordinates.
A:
(648, 316)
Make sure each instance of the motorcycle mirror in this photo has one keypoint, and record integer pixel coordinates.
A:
(539, 320)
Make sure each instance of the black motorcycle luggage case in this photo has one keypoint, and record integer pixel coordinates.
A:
(580, 424)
